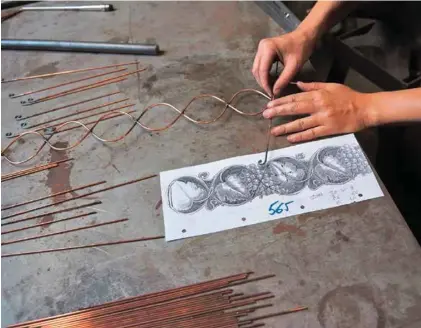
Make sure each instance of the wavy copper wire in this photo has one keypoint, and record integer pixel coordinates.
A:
(89, 131)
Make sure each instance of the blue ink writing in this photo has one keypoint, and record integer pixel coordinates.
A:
(278, 207)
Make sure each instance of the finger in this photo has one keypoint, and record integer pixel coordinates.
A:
(255, 69)
(294, 126)
(312, 86)
(292, 108)
(264, 69)
(310, 134)
(289, 71)
(302, 96)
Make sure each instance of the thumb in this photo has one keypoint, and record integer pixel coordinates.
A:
(311, 86)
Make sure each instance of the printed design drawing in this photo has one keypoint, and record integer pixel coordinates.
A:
(238, 184)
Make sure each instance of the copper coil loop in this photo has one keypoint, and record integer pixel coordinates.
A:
(136, 121)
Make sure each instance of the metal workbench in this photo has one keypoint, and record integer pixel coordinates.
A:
(354, 266)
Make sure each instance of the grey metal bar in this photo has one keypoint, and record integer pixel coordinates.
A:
(70, 8)
(75, 46)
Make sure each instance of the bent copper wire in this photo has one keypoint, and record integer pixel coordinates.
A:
(80, 196)
(14, 241)
(83, 246)
(85, 87)
(54, 212)
(67, 72)
(49, 223)
(53, 195)
(136, 121)
(20, 118)
(13, 96)
(52, 131)
(76, 113)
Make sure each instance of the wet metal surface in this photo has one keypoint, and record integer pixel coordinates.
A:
(354, 266)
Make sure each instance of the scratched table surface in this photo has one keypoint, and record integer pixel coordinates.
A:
(354, 266)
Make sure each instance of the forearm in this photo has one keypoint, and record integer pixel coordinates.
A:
(324, 15)
(390, 107)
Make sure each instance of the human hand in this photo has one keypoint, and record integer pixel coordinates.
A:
(292, 49)
(332, 108)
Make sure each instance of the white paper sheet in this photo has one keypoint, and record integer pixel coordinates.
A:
(236, 192)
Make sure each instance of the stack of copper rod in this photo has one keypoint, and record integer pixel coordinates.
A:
(32, 170)
(210, 304)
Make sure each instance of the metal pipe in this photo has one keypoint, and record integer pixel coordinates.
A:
(76, 46)
(70, 8)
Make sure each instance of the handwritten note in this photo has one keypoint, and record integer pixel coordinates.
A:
(238, 191)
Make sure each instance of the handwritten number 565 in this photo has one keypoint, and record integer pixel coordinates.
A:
(278, 207)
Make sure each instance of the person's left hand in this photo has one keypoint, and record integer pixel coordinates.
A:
(332, 108)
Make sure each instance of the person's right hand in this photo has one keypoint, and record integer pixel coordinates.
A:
(292, 49)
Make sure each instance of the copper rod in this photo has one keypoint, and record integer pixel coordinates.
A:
(249, 309)
(191, 289)
(245, 297)
(65, 83)
(66, 106)
(49, 223)
(36, 167)
(77, 112)
(67, 72)
(254, 326)
(252, 280)
(270, 315)
(97, 202)
(136, 121)
(89, 86)
(80, 196)
(118, 114)
(54, 195)
(93, 86)
(83, 246)
(14, 241)
(136, 305)
(129, 315)
(28, 172)
(32, 170)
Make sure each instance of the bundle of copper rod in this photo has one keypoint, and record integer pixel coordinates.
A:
(32, 170)
(210, 304)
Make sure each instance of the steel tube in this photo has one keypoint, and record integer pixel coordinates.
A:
(71, 8)
(75, 46)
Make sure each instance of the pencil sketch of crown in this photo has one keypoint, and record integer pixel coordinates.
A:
(237, 185)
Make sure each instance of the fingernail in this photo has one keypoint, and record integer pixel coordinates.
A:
(266, 113)
(270, 104)
(291, 138)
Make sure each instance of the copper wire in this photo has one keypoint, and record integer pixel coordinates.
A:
(36, 169)
(13, 96)
(80, 196)
(136, 121)
(48, 223)
(76, 113)
(83, 246)
(68, 72)
(54, 212)
(270, 315)
(76, 90)
(20, 118)
(53, 195)
(85, 87)
(14, 241)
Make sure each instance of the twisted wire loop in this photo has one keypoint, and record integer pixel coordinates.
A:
(136, 121)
